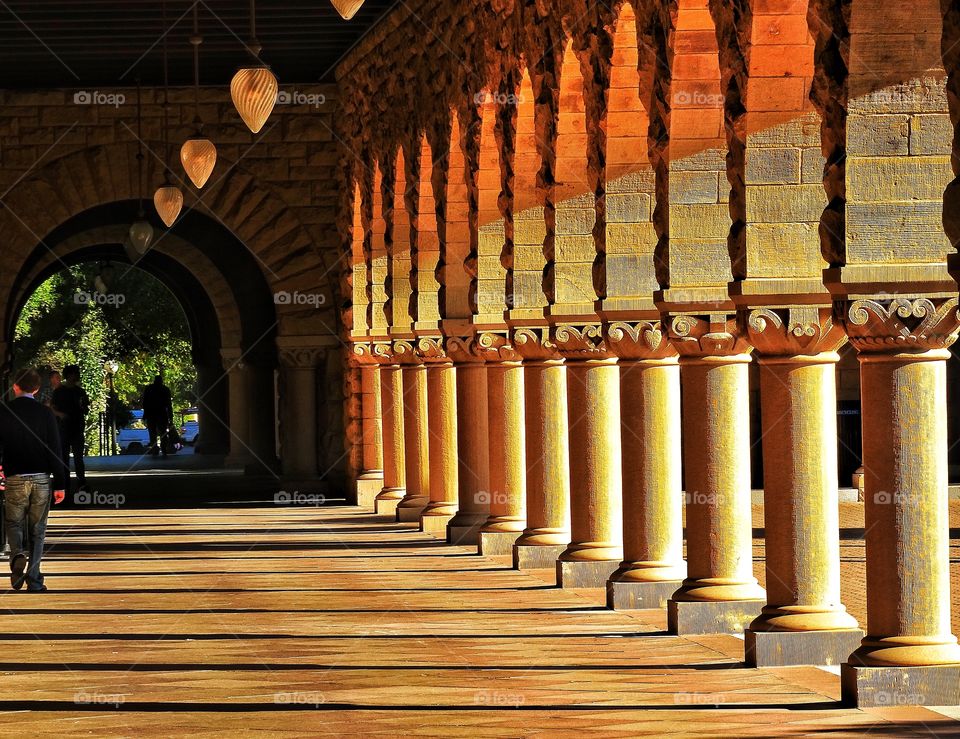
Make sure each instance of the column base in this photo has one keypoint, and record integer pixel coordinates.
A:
(585, 574)
(409, 509)
(788, 648)
(626, 596)
(464, 528)
(711, 617)
(497, 543)
(432, 523)
(934, 685)
(367, 489)
(536, 557)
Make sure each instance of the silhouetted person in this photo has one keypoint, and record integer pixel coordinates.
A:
(30, 450)
(70, 403)
(48, 387)
(157, 414)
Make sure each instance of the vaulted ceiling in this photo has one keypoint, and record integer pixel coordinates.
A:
(104, 43)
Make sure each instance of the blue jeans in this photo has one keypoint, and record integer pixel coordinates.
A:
(25, 508)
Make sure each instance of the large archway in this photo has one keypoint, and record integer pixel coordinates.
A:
(228, 306)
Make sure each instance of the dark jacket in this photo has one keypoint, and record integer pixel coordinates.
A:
(30, 441)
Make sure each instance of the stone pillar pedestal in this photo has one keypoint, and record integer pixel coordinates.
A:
(653, 566)
(720, 593)
(804, 621)
(505, 409)
(596, 494)
(547, 531)
(415, 435)
(442, 428)
(909, 655)
(391, 415)
(473, 443)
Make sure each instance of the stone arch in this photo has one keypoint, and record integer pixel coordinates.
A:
(288, 256)
(453, 212)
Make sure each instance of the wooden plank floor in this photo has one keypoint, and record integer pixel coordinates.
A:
(332, 621)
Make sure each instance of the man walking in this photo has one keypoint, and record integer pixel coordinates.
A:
(30, 452)
(70, 404)
(157, 414)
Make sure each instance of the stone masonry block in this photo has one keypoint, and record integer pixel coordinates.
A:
(773, 166)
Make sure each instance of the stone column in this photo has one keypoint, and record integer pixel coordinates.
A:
(212, 409)
(720, 593)
(547, 451)
(391, 415)
(653, 566)
(442, 427)
(370, 479)
(415, 434)
(505, 412)
(804, 621)
(909, 654)
(596, 496)
(298, 412)
(473, 443)
(238, 388)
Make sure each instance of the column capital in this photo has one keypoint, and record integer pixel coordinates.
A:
(580, 341)
(430, 350)
(638, 340)
(361, 354)
(405, 352)
(792, 330)
(890, 325)
(714, 334)
(301, 357)
(232, 358)
(534, 343)
(483, 346)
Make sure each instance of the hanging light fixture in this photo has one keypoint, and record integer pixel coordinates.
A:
(140, 235)
(198, 154)
(254, 88)
(168, 200)
(347, 8)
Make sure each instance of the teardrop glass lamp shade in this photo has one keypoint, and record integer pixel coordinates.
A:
(254, 92)
(168, 200)
(199, 157)
(141, 236)
(347, 8)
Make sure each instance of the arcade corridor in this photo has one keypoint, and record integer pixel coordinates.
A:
(333, 620)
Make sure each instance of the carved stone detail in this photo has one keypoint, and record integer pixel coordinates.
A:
(535, 344)
(901, 324)
(485, 346)
(638, 340)
(405, 352)
(430, 350)
(301, 357)
(581, 341)
(793, 330)
(707, 335)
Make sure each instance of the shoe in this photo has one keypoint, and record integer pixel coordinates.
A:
(38, 589)
(18, 564)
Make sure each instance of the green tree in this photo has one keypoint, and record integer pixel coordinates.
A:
(90, 313)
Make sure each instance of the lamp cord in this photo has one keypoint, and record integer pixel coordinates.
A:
(196, 40)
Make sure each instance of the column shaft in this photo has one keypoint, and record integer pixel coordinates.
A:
(391, 414)
(907, 519)
(415, 443)
(801, 515)
(507, 448)
(716, 431)
(442, 426)
(371, 427)
(473, 444)
(547, 464)
(652, 492)
(596, 495)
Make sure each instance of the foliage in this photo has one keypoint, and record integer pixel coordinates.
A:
(90, 313)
